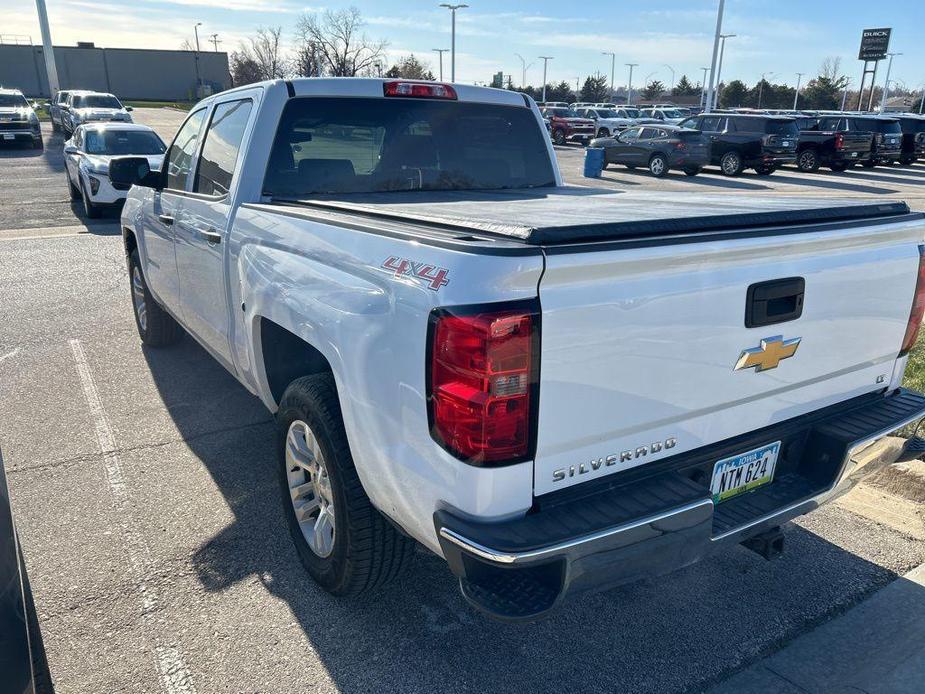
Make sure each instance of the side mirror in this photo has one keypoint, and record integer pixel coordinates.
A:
(129, 108)
(125, 172)
(70, 149)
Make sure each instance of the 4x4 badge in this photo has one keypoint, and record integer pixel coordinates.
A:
(434, 276)
(767, 355)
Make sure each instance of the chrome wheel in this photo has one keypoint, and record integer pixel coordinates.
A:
(657, 166)
(730, 164)
(808, 161)
(138, 298)
(310, 488)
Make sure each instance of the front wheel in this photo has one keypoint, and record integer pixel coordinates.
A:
(72, 189)
(603, 132)
(692, 171)
(91, 209)
(156, 327)
(808, 162)
(558, 136)
(345, 544)
(868, 164)
(731, 164)
(907, 159)
(765, 170)
(658, 165)
(838, 166)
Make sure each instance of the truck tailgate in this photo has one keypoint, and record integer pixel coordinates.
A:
(640, 340)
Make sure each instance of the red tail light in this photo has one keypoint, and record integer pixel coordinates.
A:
(680, 145)
(421, 90)
(918, 308)
(482, 390)
(839, 141)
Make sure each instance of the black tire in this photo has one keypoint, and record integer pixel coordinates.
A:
(38, 145)
(868, 164)
(54, 126)
(839, 166)
(558, 136)
(692, 171)
(91, 209)
(731, 163)
(603, 132)
(808, 161)
(158, 329)
(367, 550)
(630, 166)
(907, 159)
(765, 170)
(658, 165)
(72, 189)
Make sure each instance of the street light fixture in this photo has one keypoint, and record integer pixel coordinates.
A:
(523, 70)
(716, 41)
(672, 74)
(886, 85)
(719, 69)
(440, 51)
(761, 85)
(196, 60)
(703, 87)
(796, 94)
(613, 63)
(629, 86)
(545, 59)
(452, 9)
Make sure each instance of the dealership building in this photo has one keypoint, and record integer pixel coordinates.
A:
(129, 73)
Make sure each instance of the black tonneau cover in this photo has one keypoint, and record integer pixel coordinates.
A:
(571, 214)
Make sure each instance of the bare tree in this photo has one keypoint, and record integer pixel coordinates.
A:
(244, 69)
(831, 68)
(187, 45)
(308, 60)
(410, 68)
(260, 58)
(337, 35)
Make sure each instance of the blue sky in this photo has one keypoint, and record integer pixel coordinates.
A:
(783, 36)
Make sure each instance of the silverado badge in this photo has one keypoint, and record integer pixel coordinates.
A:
(767, 355)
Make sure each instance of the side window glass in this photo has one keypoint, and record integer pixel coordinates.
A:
(710, 124)
(180, 155)
(220, 149)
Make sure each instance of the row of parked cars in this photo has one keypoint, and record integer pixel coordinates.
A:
(739, 140)
(71, 108)
(580, 122)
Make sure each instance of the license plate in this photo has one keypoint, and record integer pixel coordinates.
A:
(787, 143)
(744, 472)
(8, 136)
(854, 154)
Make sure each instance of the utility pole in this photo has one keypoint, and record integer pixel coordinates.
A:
(672, 74)
(613, 63)
(761, 85)
(886, 85)
(545, 59)
(719, 69)
(716, 39)
(796, 94)
(440, 52)
(215, 41)
(198, 78)
(452, 9)
(844, 96)
(523, 70)
(703, 87)
(629, 86)
(49, 51)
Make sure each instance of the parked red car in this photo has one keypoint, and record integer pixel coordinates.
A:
(567, 126)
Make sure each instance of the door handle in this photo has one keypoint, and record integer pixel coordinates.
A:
(165, 219)
(210, 235)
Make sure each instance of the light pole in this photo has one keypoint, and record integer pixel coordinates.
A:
(672, 74)
(523, 70)
(545, 59)
(844, 96)
(719, 69)
(440, 51)
(886, 85)
(49, 51)
(452, 9)
(716, 40)
(761, 85)
(703, 86)
(198, 79)
(613, 63)
(629, 86)
(796, 94)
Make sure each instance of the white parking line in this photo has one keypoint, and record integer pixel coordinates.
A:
(175, 676)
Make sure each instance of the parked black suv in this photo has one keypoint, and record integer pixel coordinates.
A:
(657, 147)
(823, 142)
(887, 143)
(740, 141)
(913, 147)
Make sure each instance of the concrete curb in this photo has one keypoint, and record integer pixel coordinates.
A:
(876, 647)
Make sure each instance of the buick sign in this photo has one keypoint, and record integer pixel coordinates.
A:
(874, 44)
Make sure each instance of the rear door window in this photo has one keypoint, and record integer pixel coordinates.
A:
(711, 124)
(220, 148)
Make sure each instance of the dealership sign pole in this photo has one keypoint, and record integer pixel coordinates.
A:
(48, 49)
(874, 46)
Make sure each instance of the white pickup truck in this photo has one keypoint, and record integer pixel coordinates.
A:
(552, 387)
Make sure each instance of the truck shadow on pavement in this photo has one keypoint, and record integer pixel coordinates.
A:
(679, 632)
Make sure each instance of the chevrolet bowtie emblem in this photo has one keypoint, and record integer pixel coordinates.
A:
(768, 354)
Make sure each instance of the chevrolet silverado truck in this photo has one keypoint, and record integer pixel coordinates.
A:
(554, 388)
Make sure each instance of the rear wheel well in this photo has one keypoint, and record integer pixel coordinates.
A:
(286, 357)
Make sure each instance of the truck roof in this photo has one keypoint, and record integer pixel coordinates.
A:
(574, 214)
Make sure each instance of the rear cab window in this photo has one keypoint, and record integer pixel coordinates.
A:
(342, 145)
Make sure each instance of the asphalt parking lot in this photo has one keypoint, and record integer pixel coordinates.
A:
(144, 486)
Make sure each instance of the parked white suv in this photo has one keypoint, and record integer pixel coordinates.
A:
(90, 107)
(88, 153)
(606, 121)
(553, 388)
(18, 122)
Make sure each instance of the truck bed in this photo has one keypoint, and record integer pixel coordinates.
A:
(553, 216)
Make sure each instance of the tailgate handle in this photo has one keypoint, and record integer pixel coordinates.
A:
(774, 301)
